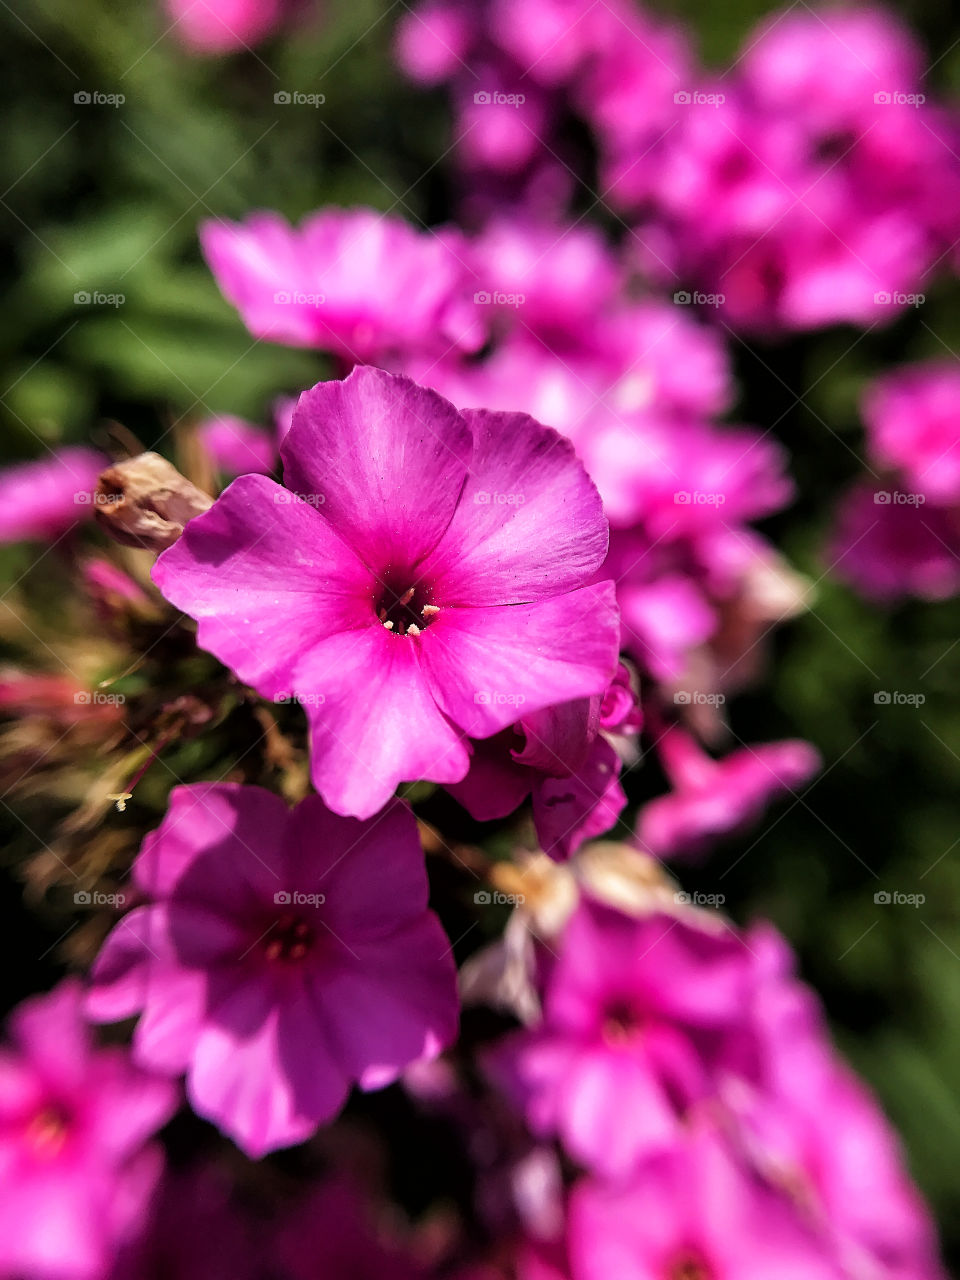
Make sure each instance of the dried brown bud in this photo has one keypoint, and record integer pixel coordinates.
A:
(145, 502)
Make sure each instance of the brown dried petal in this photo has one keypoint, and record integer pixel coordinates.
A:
(145, 502)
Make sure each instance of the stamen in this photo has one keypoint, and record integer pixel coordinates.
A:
(413, 629)
(429, 610)
(387, 626)
(407, 596)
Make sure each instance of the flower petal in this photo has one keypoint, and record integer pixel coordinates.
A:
(530, 523)
(386, 458)
(374, 721)
(488, 666)
(265, 575)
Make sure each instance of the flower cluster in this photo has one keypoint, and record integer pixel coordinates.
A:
(896, 531)
(813, 181)
(346, 733)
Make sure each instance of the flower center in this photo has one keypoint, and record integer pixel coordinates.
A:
(622, 1023)
(689, 1266)
(289, 940)
(405, 610)
(48, 1131)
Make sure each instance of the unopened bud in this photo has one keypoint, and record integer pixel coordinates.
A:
(145, 502)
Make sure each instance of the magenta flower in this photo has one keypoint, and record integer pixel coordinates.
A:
(284, 956)
(43, 499)
(74, 1123)
(814, 1131)
(427, 581)
(643, 1018)
(694, 1212)
(236, 447)
(558, 278)
(889, 546)
(560, 758)
(825, 67)
(358, 283)
(193, 1232)
(223, 26)
(712, 798)
(913, 427)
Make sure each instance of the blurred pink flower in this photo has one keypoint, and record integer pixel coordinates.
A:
(74, 1123)
(912, 417)
(420, 578)
(236, 447)
(813, 1131)
(284, 956)
(888, 546)
(693, 1212)
(434, 39)
(560, 757)
(352, 281)
(192, 1232)
(45, 498)
(825, 66)
(552, 279)
(223, 26)
(712, 798)
(643, 1019)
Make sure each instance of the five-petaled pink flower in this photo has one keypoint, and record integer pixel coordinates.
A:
(643, 1019)
(418, 579)
(283, 956)
(76, 1166)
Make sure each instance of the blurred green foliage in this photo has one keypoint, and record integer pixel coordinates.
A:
(105, 198)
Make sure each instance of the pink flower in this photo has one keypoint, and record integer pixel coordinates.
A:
(890, 547)
(560, 757)
(556, 278)
(711, 797)
(43, 499)
(222, 26)
(913, 427)
(236, 447)
(813, 1131)
(825, 67)
(643, 1019)
(693, 1212)
(428, 581)
(283, 957)
(434, 39)
(358, 283)
(193, 1232)
(74, 1121)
